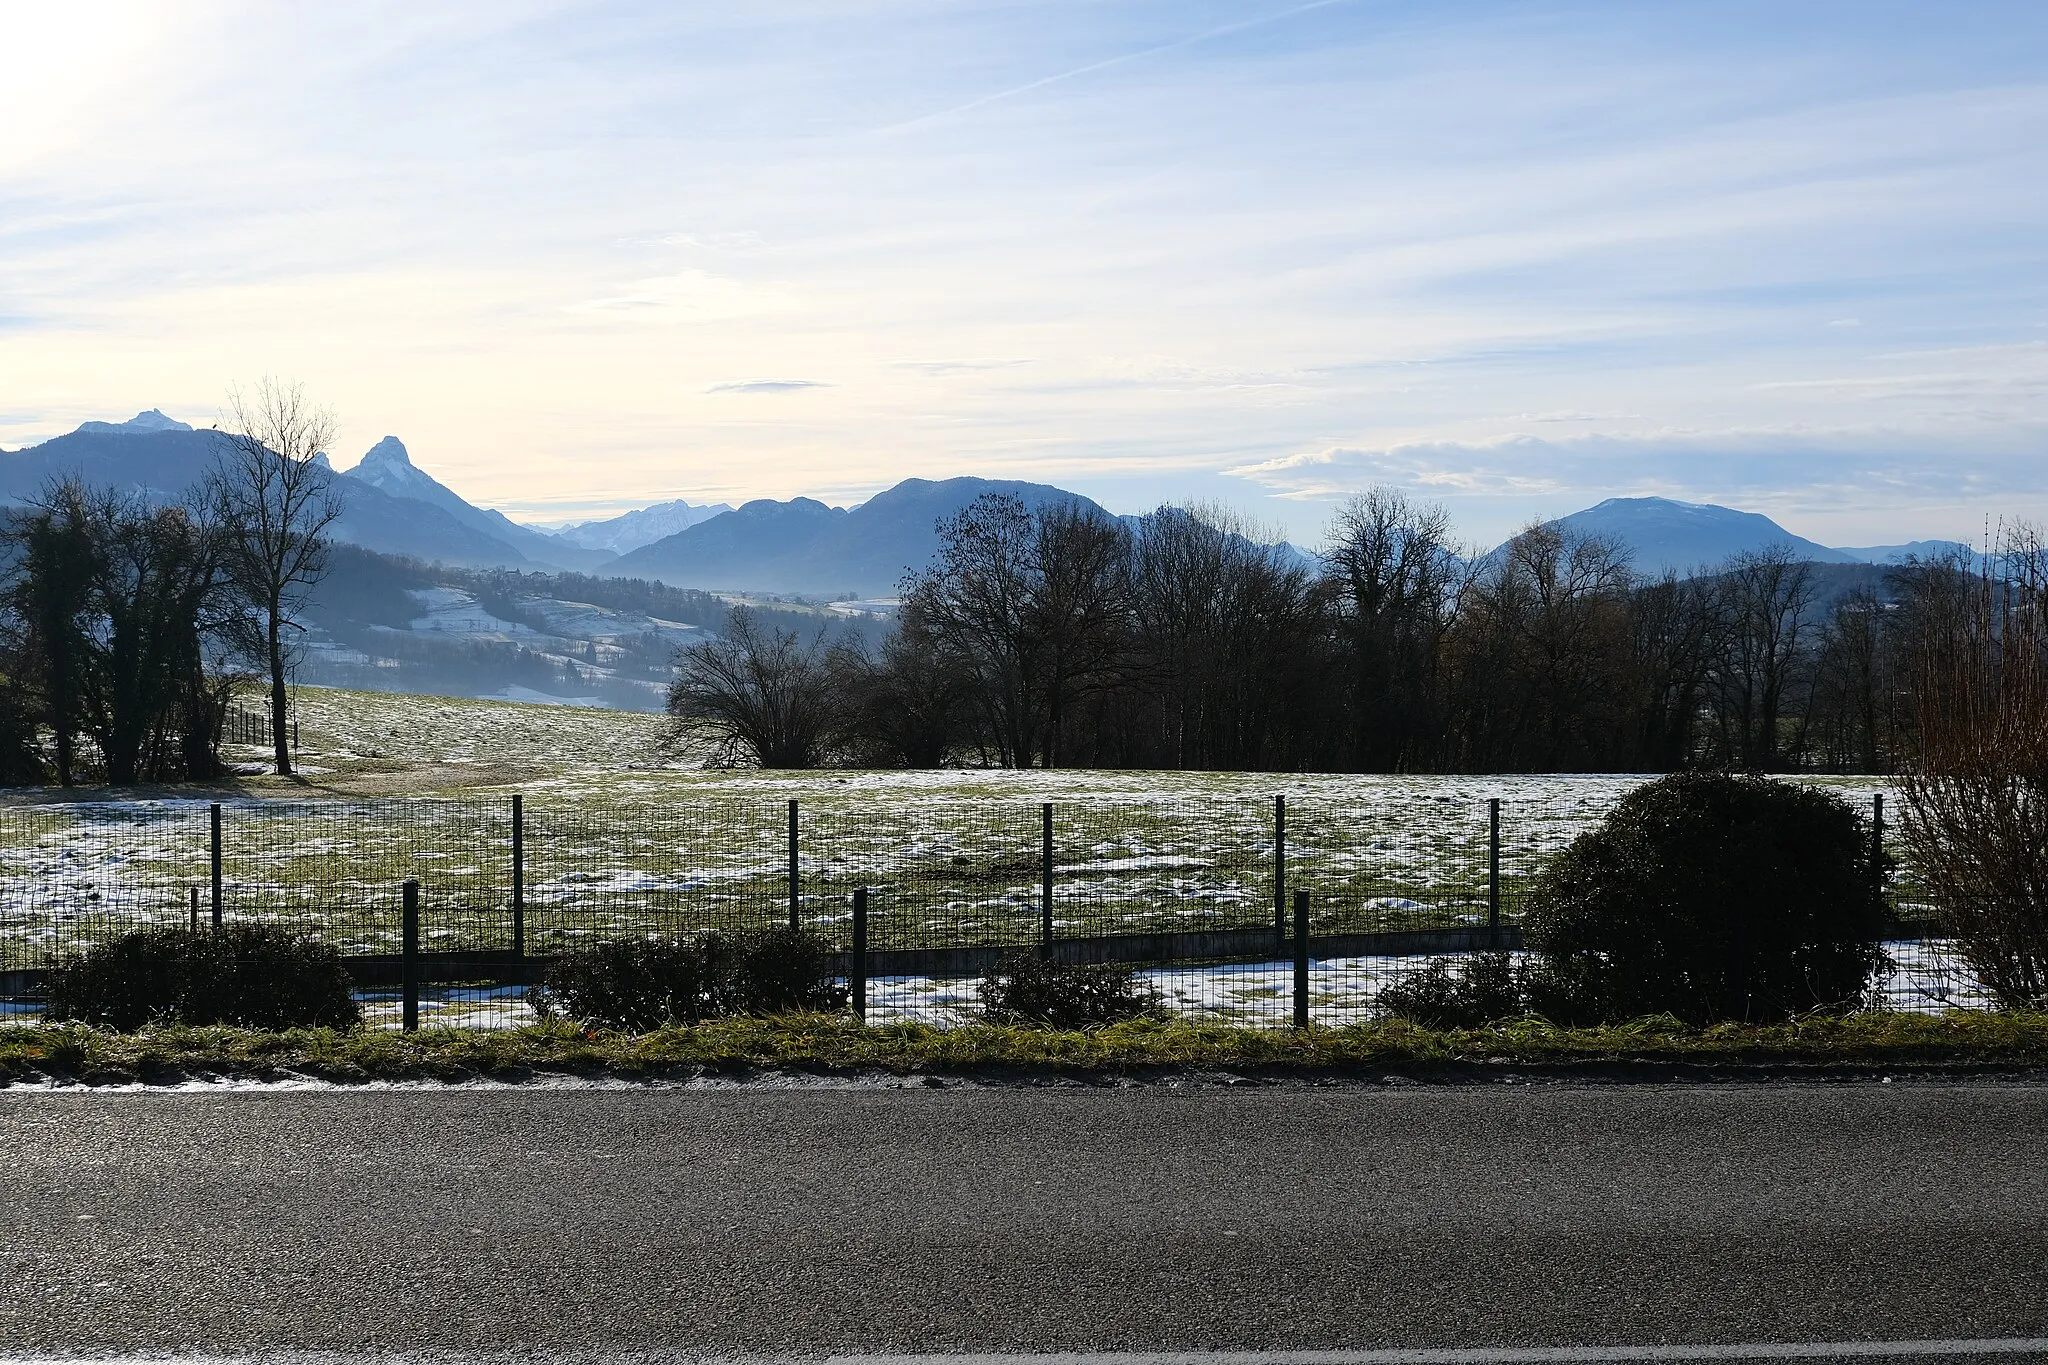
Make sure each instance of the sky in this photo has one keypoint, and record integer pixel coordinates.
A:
(1515, 258)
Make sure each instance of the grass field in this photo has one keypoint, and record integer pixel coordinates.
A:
(620, 837)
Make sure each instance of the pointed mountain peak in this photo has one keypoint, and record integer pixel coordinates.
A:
(141, 424)
(389, 451)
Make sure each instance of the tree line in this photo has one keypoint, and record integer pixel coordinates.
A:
(126, 622)
(1057, 636)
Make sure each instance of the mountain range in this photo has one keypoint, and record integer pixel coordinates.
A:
(804, 546)
(630, 530)
(799, 546)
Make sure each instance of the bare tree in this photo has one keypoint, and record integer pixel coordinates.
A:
(1394, 578)
(976, 603)
(1674, 637)
(904, 702)
(275, 499)
(1976, 785)
(766, 694)
(1220, 622)
(51, 596)
(1031, 606)
(1767, 605)
(1540, 653)
(1080, 609)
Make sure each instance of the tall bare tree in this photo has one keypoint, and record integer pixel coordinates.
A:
(1767, 605)
(1394, 577)
(759, 692)
(275, 500)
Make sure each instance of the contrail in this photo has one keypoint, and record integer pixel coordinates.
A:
(1107, 62)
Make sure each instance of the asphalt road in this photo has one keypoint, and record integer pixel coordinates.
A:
(763, 1221)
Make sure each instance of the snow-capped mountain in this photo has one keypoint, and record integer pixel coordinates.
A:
(630, 530)
(140, 424)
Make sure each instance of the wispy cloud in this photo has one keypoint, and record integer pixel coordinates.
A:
(1123, 246)
(766, 385)
(1835, 476)
(946, 367)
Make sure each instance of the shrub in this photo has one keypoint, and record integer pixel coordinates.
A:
(778, 971)
(1708, 896)
(639, 985)
(634, 985)
(1477, 991)
(1027, 988)
(1976, 783)
(247, 975)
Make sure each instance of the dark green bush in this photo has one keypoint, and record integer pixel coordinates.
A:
(1027, 988)
(1478, 990)
(779, 971)
(639, 985)
(1711, 897)
(634, 985)
(247, 975)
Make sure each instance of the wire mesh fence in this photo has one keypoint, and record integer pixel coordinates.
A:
(1203, 898)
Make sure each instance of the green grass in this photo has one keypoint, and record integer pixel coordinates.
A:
(620, 841)
(833, 1045)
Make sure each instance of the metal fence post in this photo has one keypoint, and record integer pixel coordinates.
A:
(1493, 872)
(214, 822)
(193, 923)
(1045, 879)
(857, 960)
(1280, 869)
(795, 887)
(518, 875)
(410, 939)
(1301, 959)
(1877, 849)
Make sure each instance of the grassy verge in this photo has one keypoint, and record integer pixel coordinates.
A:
(2010, 1041)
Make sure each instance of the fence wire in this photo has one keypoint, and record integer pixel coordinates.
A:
(1196, 896)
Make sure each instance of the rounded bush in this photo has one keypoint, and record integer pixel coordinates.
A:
(1028, 988)
(1709, 896)
(1476, 991)
(632, 985)
(779, 971)
(246, 975)
(636, 986)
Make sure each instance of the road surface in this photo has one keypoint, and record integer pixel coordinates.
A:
(764, 1221)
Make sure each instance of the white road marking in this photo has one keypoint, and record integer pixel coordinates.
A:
(1981, 1347)
(1943, 1349)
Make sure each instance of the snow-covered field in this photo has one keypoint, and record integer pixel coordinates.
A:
(950, 858)
(621, 839)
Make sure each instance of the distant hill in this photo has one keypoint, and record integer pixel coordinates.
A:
(630, 530)
(140, 424)
(799, 546)
(162, 459)
(1912, 549)
(1663, 534)
(380, 623)
(388, 467)
(803, 546)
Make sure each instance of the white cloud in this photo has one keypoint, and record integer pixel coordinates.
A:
(1841, 477)
(765, 385)
(539, 241)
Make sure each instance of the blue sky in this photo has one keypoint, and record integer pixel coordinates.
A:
(1514, 257)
